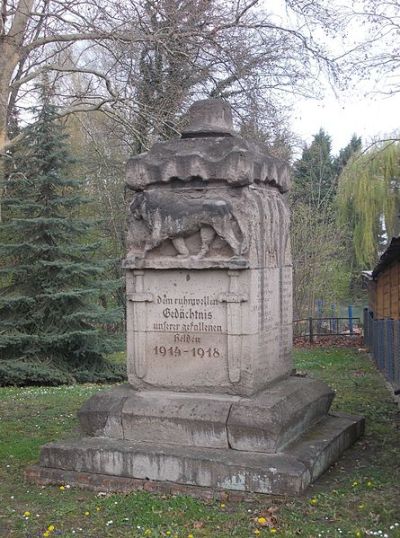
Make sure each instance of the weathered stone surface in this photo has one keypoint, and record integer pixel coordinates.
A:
(266, 422)
(272, 419)
(102, 413)
(215, 224)
(224, 156)
(227, 469)
(106, 483)
(288, 473)
(177, 418)
(210, 331)
(209, 117)
(209, 265)
(324, 444)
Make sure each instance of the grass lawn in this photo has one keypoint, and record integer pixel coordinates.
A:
(360, 496)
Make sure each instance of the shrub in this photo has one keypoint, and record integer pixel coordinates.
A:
(107, 372)
(21, 374)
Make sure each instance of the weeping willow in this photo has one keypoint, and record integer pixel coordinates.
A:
(369, 199)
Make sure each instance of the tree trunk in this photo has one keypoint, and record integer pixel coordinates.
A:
(8, 62)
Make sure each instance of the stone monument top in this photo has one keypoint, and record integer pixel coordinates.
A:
(209, 150)
(209, 117)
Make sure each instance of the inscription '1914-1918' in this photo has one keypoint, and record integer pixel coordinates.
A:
(175, 351)
(187, 323)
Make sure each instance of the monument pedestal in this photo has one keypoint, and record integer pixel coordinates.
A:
(108, 464)
(276, 442)
(210, 420)
(211, 401)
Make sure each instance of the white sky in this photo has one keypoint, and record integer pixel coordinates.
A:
(371, 117)
(361, 109)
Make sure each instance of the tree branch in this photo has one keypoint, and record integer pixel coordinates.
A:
(54, 67)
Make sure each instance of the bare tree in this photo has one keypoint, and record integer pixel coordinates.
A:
(372, 51)
(33, 33)
(176, 47)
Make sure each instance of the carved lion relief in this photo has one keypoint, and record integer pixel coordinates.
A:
(176, 216)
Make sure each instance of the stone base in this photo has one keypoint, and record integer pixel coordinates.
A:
(91, 461)
(266, 422)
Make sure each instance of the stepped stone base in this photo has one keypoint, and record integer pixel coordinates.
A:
(265, 422)
(115, 465)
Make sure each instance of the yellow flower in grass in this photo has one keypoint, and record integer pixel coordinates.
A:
(261, 521)
(370, 484)
(222, 505)
(355, 484)
(168, 533)
(358, 534)
(147, 532)
(86, 513)
(27, 514)
(273, 530)
(190, 536)
(51, 528)
(61, 488)
(314, 501)
(47, 533)
(256, 532)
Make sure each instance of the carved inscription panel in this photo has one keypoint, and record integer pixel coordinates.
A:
(208, 330)
(182, 328)
(286, 315)
(273, 286)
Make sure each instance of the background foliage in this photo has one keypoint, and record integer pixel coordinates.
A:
(55, 312)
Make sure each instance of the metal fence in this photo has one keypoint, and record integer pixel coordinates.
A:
(382, 339)
(320, 327)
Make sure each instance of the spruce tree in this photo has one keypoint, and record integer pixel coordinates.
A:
(50, 281)
(346, 153)
(319, 244)
(315, 174)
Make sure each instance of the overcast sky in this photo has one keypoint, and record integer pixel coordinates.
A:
(371, 116)
(362, 109)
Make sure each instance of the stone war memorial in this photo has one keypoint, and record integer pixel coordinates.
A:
(212, 401)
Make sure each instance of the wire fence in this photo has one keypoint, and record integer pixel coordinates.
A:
(382, 339)
(310, 328)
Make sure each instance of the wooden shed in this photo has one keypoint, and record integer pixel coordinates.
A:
(384, 284)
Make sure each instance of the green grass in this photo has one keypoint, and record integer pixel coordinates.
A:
(357, 497)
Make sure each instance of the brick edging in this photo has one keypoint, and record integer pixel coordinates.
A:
(47, 476)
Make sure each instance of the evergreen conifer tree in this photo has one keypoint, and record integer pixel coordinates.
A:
(346, 153)
(50, 282)
(321, 264)
(315, 174)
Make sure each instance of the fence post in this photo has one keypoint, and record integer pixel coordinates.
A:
(389, 355)
(371, 327)
(375, 341)
(380, 325)
(396, 352)
(351, 319)
(310, 329)
(366, 328)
